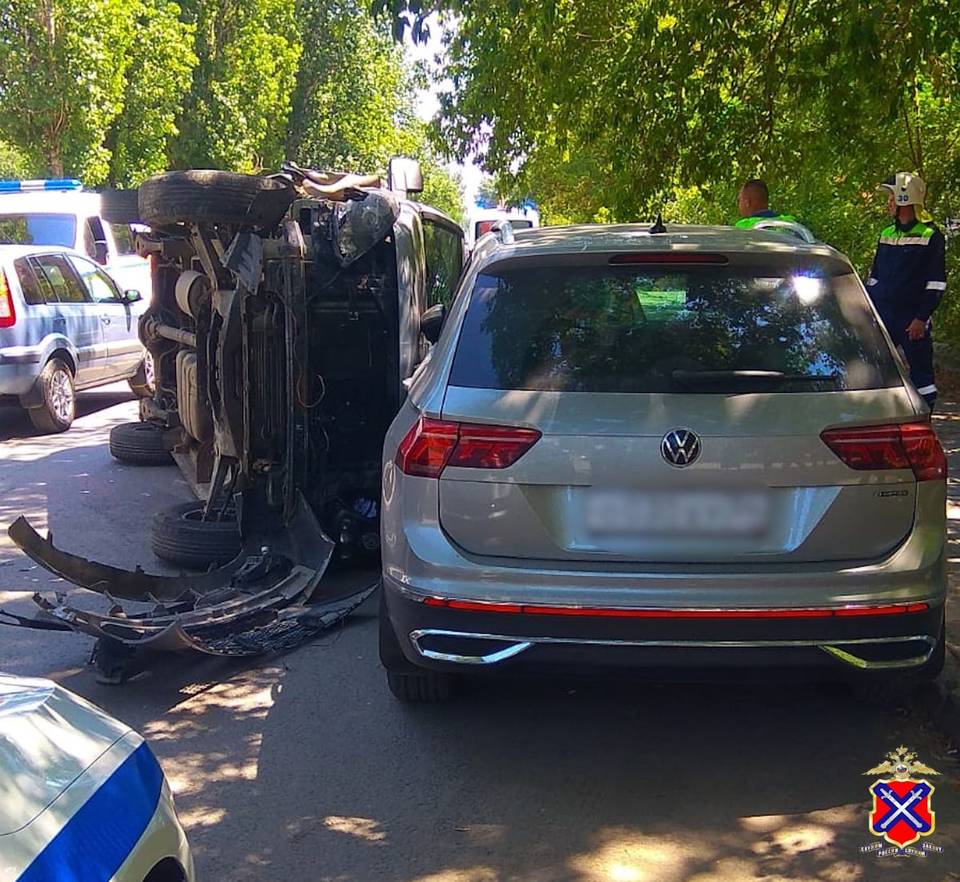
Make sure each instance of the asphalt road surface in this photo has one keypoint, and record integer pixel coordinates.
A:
(304, 768)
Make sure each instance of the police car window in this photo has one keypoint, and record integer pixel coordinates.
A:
(64, 281)
(629, 329)
(33, 294)
(38, 229)
(98, 283)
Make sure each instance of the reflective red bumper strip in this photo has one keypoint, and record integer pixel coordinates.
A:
(619, 613)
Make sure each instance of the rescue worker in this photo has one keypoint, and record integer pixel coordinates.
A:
(753, 202)
(908, 278)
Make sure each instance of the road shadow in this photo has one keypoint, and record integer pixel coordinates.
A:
(14, 422)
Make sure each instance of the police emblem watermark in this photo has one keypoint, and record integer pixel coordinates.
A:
(902, 812)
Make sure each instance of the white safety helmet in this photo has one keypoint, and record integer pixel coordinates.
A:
(907, 189)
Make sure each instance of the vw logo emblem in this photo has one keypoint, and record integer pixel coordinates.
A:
(680, 447)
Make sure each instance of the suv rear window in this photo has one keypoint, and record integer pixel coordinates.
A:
(38, 229)
(659, 329)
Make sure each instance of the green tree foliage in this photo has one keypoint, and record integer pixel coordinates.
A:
(14, 163)
(612, 111)
(236, 114)
(159, 75)
(353, 107)
(62, 79)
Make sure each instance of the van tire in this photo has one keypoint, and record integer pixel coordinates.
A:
(120, 207)
(58, 397)
(214, 197)
(139, 444)
(179, 537)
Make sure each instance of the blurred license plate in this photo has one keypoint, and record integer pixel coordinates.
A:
(696, 513)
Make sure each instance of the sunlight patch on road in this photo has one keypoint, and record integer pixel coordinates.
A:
(470, 874)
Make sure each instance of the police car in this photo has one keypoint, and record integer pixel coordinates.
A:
(62, 213)
(82, 798)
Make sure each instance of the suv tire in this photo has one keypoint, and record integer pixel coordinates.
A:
(139, 444)
(58, 396)
(898, 688)
(214, 197)
(407, 682)
(178, 536)
(120, 207)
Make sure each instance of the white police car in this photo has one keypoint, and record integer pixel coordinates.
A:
(82, 798)
(61, 213)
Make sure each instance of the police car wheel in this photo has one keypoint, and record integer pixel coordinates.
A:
(58, 396)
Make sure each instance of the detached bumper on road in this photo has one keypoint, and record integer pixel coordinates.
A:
(462, 636)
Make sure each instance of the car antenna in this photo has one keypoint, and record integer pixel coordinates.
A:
(658, 226)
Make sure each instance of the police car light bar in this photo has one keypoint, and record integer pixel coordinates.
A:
(29, 186)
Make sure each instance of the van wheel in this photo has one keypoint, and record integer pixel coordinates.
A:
(139, 444)
(120, 207)
(214, 197)
(179, 536)
(144, 382)
(59, 397)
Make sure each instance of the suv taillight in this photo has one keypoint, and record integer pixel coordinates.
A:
(8, 315)
(875, 448)
(432, 445)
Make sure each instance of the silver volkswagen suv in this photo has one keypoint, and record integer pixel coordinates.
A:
(683, 448)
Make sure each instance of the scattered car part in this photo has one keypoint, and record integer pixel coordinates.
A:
(139, 444)
(181, 535)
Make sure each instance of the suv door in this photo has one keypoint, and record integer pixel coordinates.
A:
(118, 319)
(76, 316)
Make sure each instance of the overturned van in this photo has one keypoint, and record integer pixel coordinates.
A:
(289, 312)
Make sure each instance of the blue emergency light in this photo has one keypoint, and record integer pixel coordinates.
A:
(30, 186)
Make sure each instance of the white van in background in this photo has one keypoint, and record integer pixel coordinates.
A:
(480, 221)
(60, 213)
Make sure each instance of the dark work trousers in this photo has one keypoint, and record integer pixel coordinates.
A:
(919, 356)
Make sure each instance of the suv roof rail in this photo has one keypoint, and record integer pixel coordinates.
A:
(792, 227)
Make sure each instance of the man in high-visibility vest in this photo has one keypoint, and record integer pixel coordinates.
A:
(753, 202)
(908, 278)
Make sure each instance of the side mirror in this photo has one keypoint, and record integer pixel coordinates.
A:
(101, 253)
(431, 322)
(131, 296)
(404, 176)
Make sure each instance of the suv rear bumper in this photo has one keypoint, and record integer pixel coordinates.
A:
(442, 638)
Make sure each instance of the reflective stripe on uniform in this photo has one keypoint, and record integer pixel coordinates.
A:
(927, 390)
(936, 286)
(904, 240)
(871, 281)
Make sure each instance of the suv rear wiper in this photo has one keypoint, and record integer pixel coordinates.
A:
(746, 377)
